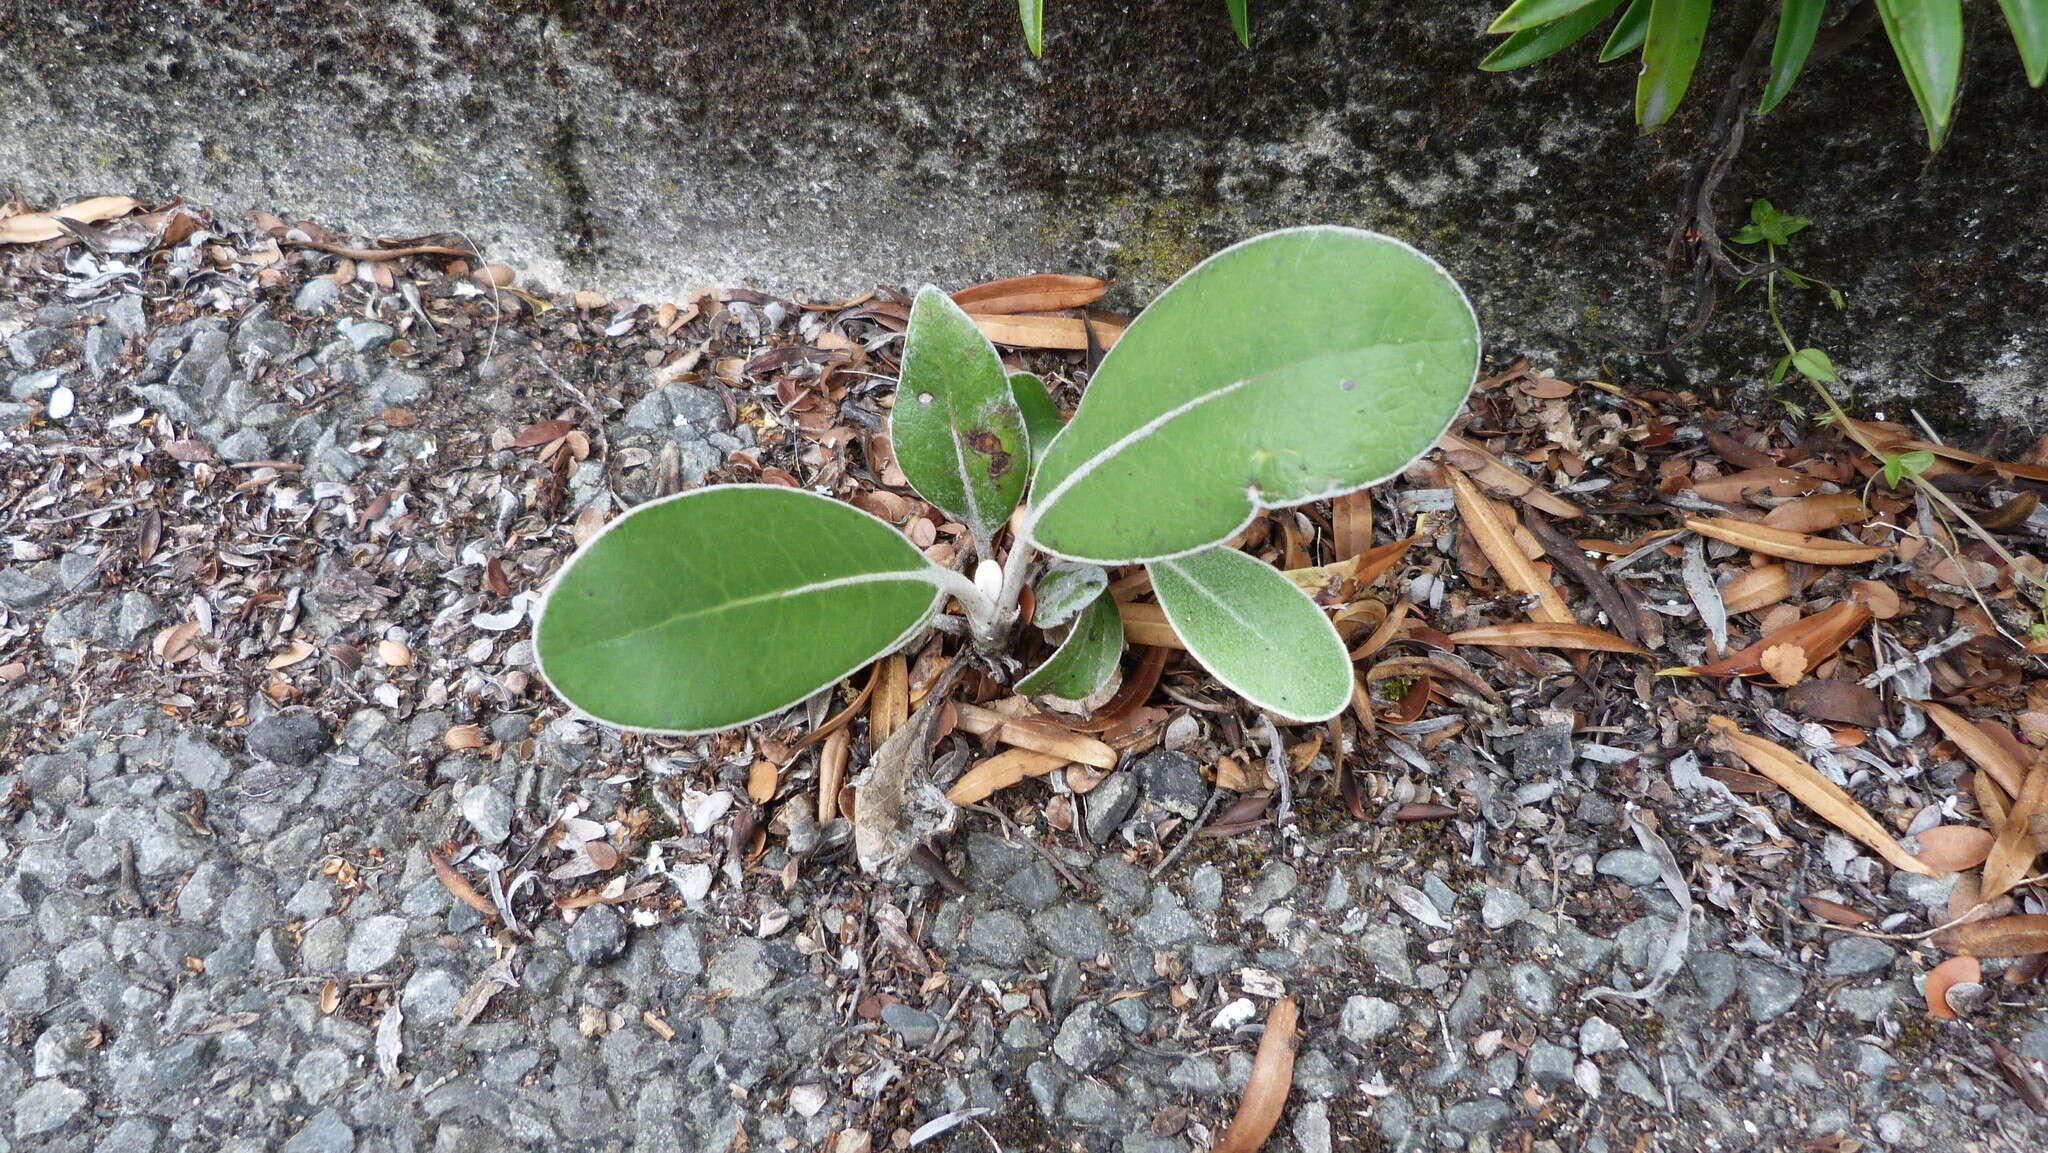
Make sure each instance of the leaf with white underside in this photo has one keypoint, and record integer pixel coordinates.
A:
(1258, 634)
(723, 605)
(1064, 590)
(1085, 660)
(1298, 365)
(958, 434)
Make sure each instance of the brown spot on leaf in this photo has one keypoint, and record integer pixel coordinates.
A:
(988, 444)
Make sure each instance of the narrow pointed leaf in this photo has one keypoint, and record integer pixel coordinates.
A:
(2028, 20)
(1927, 35)
(1085, 660)
(1798, 23)
(1038, 292)
(1529, 45)
(1298, 365)
(722, 605)
(1032, 12)
(1530, 13)
(1628, 31)
(1042, 419)
(1816, 792)
(1241, 20)
(1064, 590)
(1256, 632)
(1671, 49)
(957, 431)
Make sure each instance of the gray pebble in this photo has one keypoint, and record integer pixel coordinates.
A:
(1768, 990)
(1499, 908)
(1365, 1018)
(45, 1107)
(1205, 888)
(597, 936)
(325, 1133)
(375, 943)
(1174, 782)
(1000, 936)
(1597, 1036)
(1630, 866)
(1386, 949)
(1107, 804)
(317, 296)
(1166, 922)
(1312, 1128)
(1550, 1063)
(1478, 1116)
(489, 812)
(1086, 1041)
(293, 737)
(1855, 956)
(1072, 930)
(1093, 1104)
(916, 1027)
(1534, 986)
(431, 995)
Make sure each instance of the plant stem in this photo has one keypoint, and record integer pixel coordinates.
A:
(969, 594)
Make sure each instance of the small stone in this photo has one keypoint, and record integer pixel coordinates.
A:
(45, 1107)
(1630, 866)
(1000, 936)
(1166, 922)
(1499, 908)
(597, 936)
(199, 763)
(1094, 1104)
(1550, 1063)
(1205, 888)
(489, 812)
(20, 590)
(1312, 1128)
(1439, 893)
(1597, 1036)
(321, 1073)
(1769, 991)
(1928, 892)
(1715, 975)
(1365, 1018)
(1534, 986)
(430, 995)
(137, 613)
(1198, 1075)
(317, 296)
(1277, 881)
(1086, 1041)
(125, 316)
(33, 345)
(1630, 1079)
(1545, 751)
(366, 335)
(1174, 782)
(1477, 1116)
(1107, 804)
(1071, 930)
(742, 968)
(1386, 947)
(325, 1133)
(917, 1027)
(293, 737)
(1855, 956)
(375, 943)
(1022, 1035)
(34, 385)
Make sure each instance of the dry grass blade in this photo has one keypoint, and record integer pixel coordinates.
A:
(1947, 975)
(2013, 852)
(891, 704)
(1000, 772)
(1146, 624)
(1068, 333)
(1544, 635)
(459, 886)
(1986, 753)
(1266, 1093)
(838, 720)
(1816, 792)
(2019, 936)
(1040, 738)
(1386, 632)
(1816, 636)
(1488, 470)
(1351, 524)
(832, 773)
(1040, 292)
(1497, 540)
(1783, 544)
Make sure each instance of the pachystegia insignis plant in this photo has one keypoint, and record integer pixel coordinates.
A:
(1299, 365)
(1927, 36)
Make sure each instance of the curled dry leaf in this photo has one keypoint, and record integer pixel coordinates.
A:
(1041, 292)
(1069, 333)
(1545, 635)
(290, 655)
(1146, 624)
(1880, 598)
(1947, 975)
(178, 642)
(458, 886)
(1496, 539)
(1783, 544)
(1818, 513)
(1983, 751)
(34, 227)
(1816, 792)
(1000, 772)
(1842, 702)
(460, 737)
(1816, 637)
(1760, 587)
(762, 780)
(1471, 457)
(2013, 850)
(1834, 912)
(1266, 1093)
(1953, 848)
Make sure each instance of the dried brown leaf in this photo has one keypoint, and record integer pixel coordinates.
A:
(2013, 851)
(1834, 912)
(1786, 664)
(1545, 635)
(1266, 1093)
(1953, 848)
(1000, 772)
(1816, 792)
(1945, 976)
(1784, 545)
(1818, 513)
(1496, 539)
(2018, 936)
(1061, 332)
(1816, 636)
(1986, 753)
(459, 886)
(1040, 292)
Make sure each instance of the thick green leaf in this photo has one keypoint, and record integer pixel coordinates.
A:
(1529, 45)
(1256, 632)
(1033, 14)
(1628, 31)
(1524, 14)
(1671, 48)
(1928, 37)
(1064, 590)
(957, 432)
(1798, 23)
(1298, 365)
(2028, 20)
(1241, 20)
(723, 605)
(1085, 660)
(1042, 419)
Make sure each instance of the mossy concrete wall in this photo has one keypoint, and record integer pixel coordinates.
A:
(641, 148)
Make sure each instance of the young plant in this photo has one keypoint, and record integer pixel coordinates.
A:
(1296, 366)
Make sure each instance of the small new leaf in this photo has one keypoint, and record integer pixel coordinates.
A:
(1767, 223)
(1064, 590)
(957, 431)
(1906, 464)
(1085, 660)
(1814, 364)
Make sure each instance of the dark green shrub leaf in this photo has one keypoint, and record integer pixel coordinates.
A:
(1671, 49)
(1928, 37)
(1033, 14)
(1257, 633)
(1241, 20)
(723, 605)
(1529, 45)
(1085, 660)
(1529, 13)
(2028, 20)
(1295, 366)
(1798, 22)
(1042, 419)
(956, 429)
(1628, 31)
(1064, 590)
